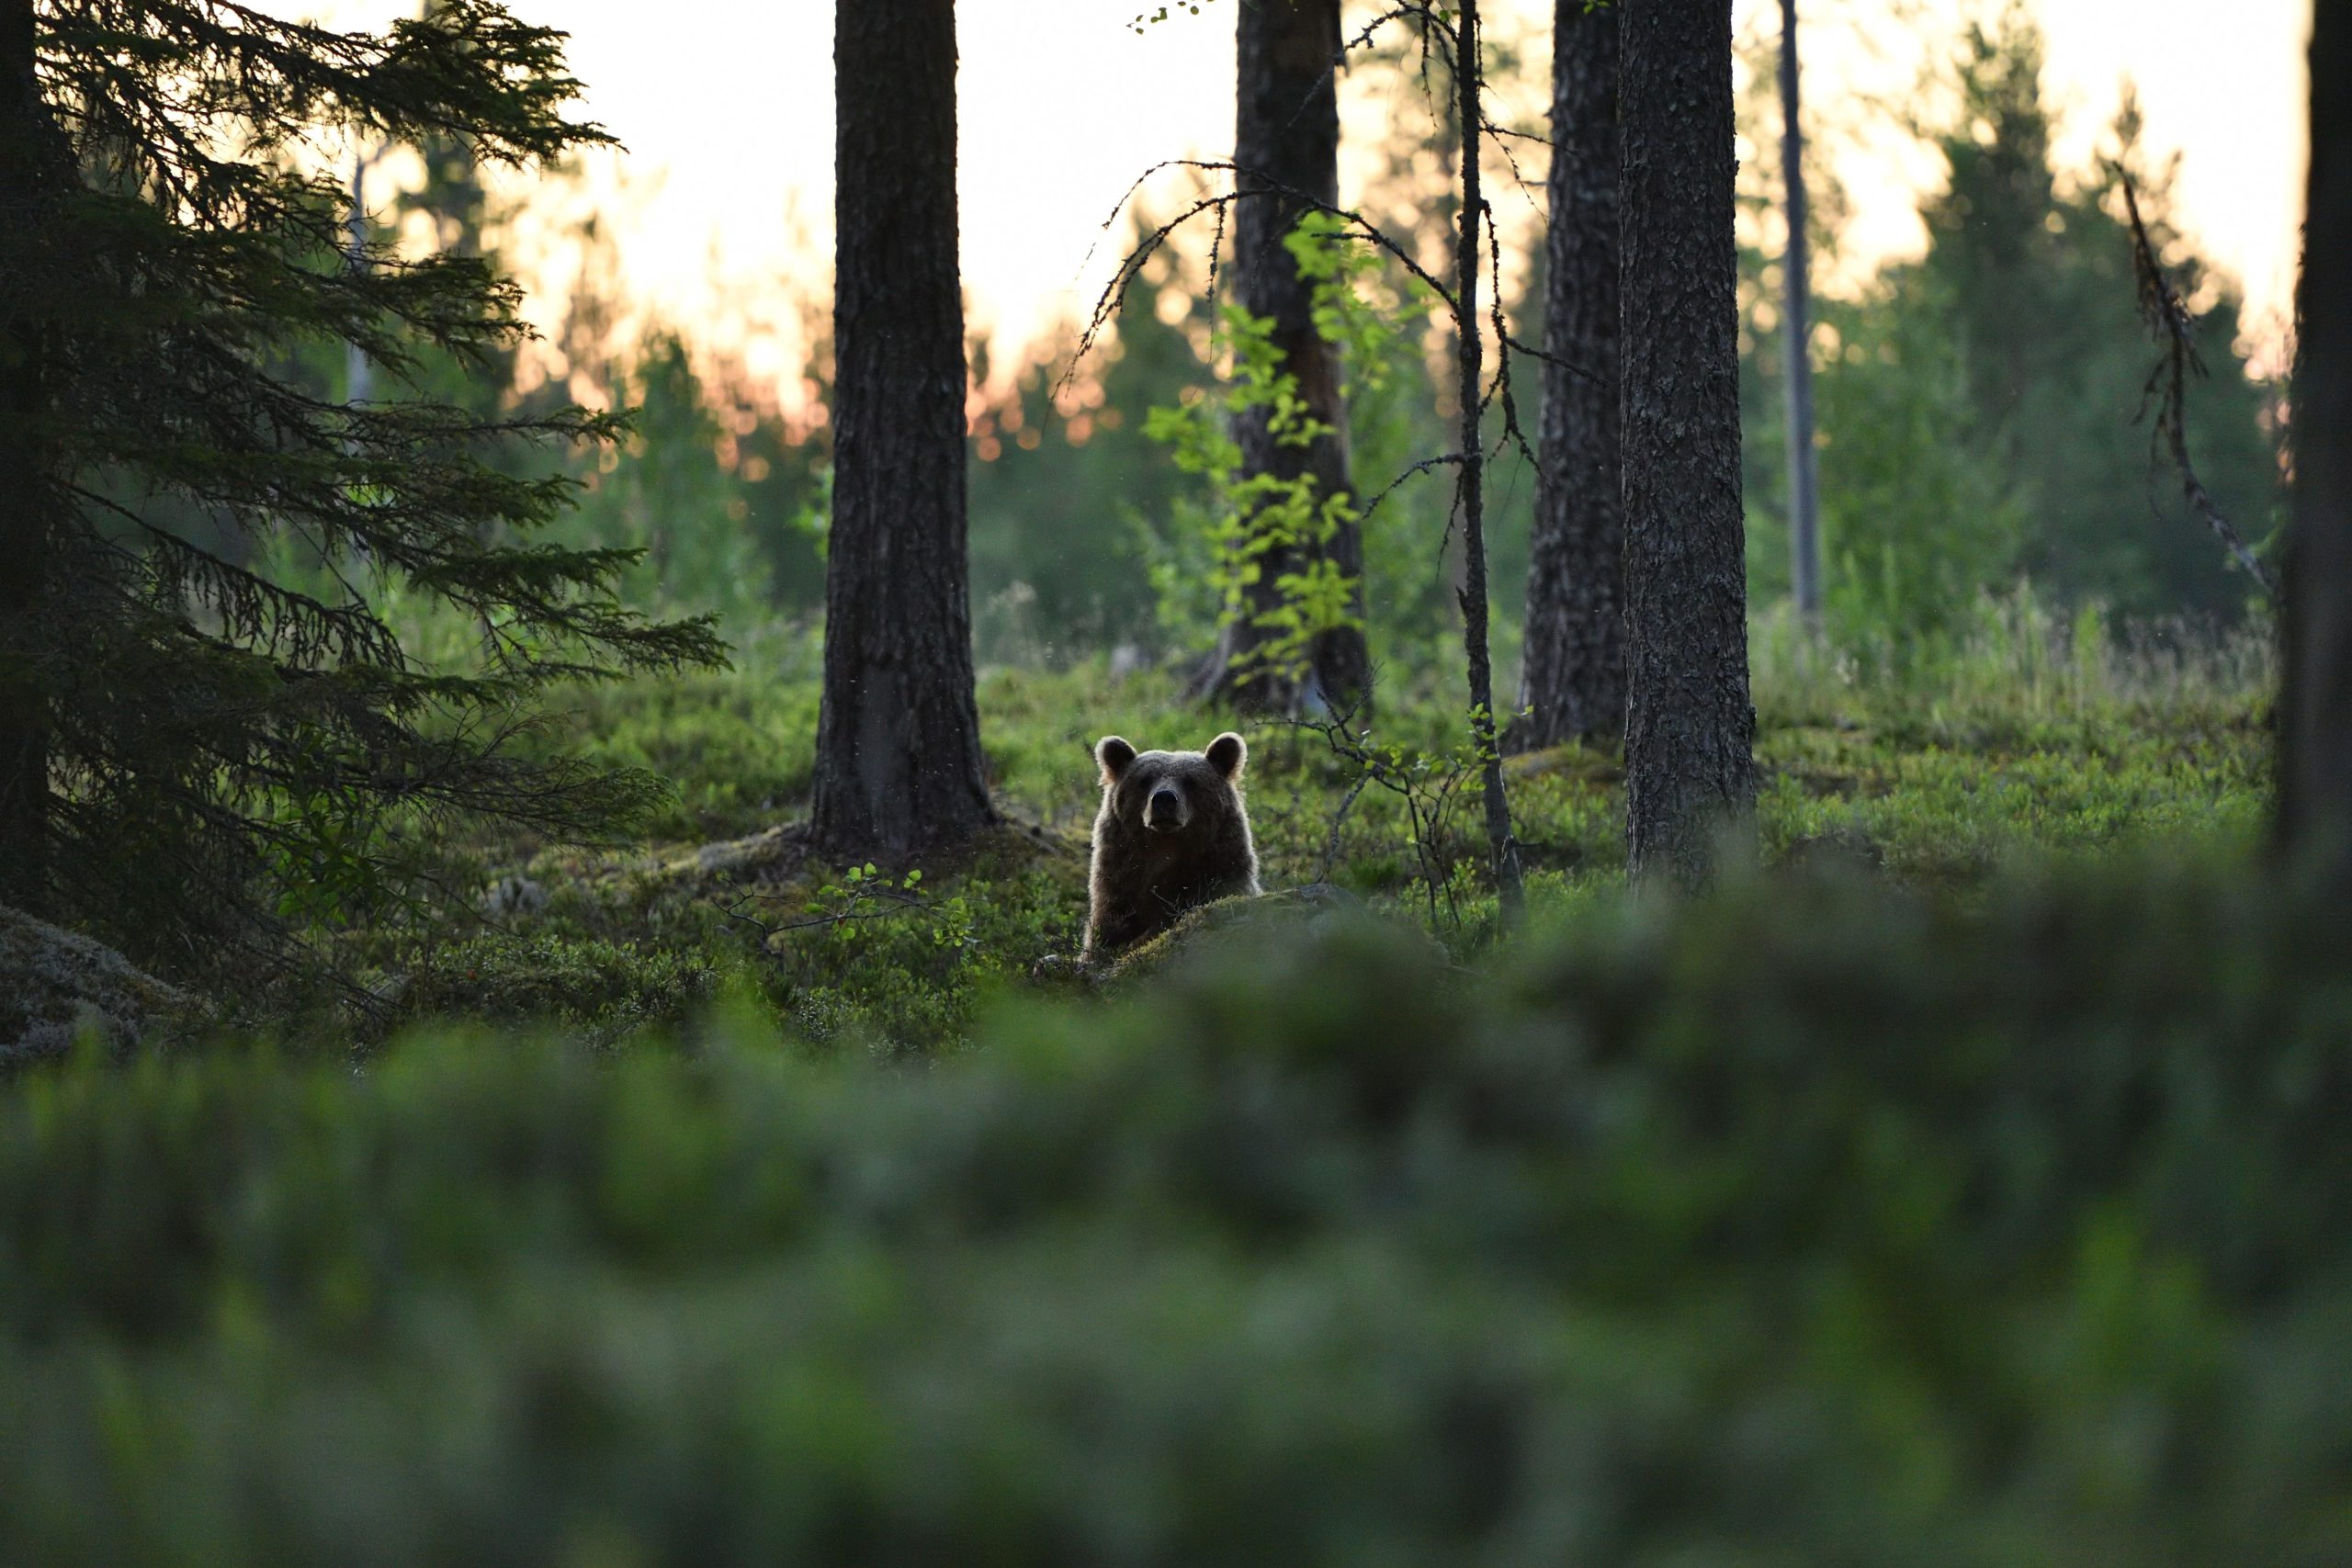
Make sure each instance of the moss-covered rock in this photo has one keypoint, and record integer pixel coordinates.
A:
(56, 985)
(1313, 909)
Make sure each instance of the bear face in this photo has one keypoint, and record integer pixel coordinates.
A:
(1164, 792)
(1173, 832)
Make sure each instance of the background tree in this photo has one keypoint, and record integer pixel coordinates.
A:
(898, 766)
(1573, 681)
(2315, 769)
(1804, 479)
(1689, 768)
(1470, 496)
(233, 728)
(2037, 277)
(1287, 157)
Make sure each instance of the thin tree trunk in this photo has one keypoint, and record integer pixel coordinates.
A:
(2315, 765)
(1689, 765)
(1474, 471)
(1796, 335)
(898, 766)
(1573, 683)
(25, 491)
(1286, 140)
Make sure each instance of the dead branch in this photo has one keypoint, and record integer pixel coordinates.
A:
(2166, 389)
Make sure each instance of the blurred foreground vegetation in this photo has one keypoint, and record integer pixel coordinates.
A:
(1820, 1223)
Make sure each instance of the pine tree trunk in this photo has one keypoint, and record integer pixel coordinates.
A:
(2315, 765)
(1574, 679)
(25, 495)
(898, 766)
(1468, 118)
(1286, 139)
(1689, 766)
(1797, 333)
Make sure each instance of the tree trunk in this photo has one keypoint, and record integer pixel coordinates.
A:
(1574, 679)
(1796, 335)
(1286, 139)
(898, 766)
(1689, 764)
(1473, 468)
(25, 491)
(2315, 764)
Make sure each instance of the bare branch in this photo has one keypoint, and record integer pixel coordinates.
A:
(2166, 390)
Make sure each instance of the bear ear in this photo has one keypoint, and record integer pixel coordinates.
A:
(1226, 753)
(1114, 755)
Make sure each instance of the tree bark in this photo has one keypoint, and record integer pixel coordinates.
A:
(1689, 763)
(1469, 121)
(26, 493)
(1572, 681)
(898, 765)
(1286, 144)
(2315, 764)
(1796, 334)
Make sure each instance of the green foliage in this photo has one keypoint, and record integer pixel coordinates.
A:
(671, 499)
(1815, 1224)
(603, 988)
(1206, 580)
(1983, 411)
(226, 704)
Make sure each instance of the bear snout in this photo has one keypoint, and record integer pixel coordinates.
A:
(1164, 812)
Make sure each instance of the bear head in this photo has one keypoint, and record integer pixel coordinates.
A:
(1167, 792)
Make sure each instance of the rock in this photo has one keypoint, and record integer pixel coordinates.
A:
(515, 896)
(56, 987)
(1311, 911)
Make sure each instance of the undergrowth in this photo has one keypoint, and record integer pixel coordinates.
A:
(1818, 1223)
(2029, 739)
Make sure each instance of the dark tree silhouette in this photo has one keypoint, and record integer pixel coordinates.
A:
(1796, 340)
(898, 766)
(204, 720)
(1689, 767)
(25, 501)
(2315, 767)
(1574, 679)
(1286, 153)
(1471, 496)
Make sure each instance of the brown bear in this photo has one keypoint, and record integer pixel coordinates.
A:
(1173, 833)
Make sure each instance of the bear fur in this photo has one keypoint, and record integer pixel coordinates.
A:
(1173, 834)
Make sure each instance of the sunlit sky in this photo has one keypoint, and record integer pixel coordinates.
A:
(721, 208)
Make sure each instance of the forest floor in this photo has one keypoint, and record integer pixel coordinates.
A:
(2019, 752)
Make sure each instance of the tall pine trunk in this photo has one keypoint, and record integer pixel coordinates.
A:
(1796, 333)
(2315, 765)
(1468, 122)
(1287, 145)
(898, 766)
(1689, 766)
(24, 483)
(1573, 681)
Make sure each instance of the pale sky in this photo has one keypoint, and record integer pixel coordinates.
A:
(722, 210)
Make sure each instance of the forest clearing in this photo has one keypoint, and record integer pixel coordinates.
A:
(556, 997)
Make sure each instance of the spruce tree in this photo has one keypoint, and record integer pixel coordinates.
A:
(201, 737)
